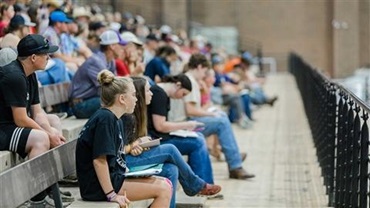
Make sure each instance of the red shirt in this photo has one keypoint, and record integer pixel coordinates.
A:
(122, 68)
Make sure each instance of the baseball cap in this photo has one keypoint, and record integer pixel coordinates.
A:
(59, 16)
(247, 57)
(96, 25)
(130, 37)
(152, 36)
(110, 37)
(217, 59)
(20, 20)
(35, 44)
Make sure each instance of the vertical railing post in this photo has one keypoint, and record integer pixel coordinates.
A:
(356, 157)
(364, 162)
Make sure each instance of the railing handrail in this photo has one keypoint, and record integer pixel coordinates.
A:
(358, 100)
(338, 121)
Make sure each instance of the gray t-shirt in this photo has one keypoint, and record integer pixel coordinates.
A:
(85, 84)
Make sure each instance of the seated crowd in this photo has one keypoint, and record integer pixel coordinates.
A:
(131, 82)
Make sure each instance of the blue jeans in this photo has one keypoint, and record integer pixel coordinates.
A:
(86, 108)
(174, 168)
(258, 96)
(246, 100)
(235, 105)
(198, 156)
(222, 127)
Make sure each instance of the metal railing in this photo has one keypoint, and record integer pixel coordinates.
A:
(338, 122)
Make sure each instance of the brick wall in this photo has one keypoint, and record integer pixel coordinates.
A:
(281, 26)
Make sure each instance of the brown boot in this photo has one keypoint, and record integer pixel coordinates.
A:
(240, 173)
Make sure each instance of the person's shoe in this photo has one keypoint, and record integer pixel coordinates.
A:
(65, 193)
(62, 115)
(240, 173)
(272, 100)
(66, 201)
(210, 190)
(245, 123)
(66, 196)
(243, 156)
(69, 181)
(33, 204)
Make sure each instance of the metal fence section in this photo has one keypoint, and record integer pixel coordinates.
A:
(338, 121)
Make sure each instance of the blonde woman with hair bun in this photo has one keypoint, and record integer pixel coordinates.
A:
(100, 151)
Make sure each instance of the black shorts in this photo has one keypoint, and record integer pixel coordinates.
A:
(14, 138)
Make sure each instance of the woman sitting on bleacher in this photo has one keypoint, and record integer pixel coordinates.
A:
(175, 168)
(100, 151)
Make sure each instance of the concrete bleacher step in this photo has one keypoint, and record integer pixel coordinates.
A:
(72, 127)
(184, 201)
(9, 159)
(79, 203)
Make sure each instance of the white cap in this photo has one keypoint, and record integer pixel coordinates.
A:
(27, 20)
(110, 37)
(80, 12)
(130, 37)
(165, 29)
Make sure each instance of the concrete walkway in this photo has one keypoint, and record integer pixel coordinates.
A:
(281, 154)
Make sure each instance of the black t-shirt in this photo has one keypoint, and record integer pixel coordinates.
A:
(101, 135)
(17, 90)
(160, 105)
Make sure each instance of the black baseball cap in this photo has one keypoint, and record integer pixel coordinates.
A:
(20, 20)
(152, 36)
(35, 44)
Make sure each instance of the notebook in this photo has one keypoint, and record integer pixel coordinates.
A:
(144, 170)
(184, 133)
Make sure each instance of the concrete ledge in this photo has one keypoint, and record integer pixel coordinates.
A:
(71, 127)
(9, 159)
(184, 201)
(88, 204)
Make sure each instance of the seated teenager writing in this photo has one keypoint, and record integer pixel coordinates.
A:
(177, 87)
(175, 168)
(100, 151)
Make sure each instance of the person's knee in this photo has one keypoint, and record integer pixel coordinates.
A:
(39, 141)
(169, 148)
(173, 170)
(54, 120)
(165, 188)
(224, 121)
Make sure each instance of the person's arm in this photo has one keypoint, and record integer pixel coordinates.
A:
(85, 51)
(193, 111)
(161, 125)
(21, 118)
(39, 116)
(67, 58)
(102, 172)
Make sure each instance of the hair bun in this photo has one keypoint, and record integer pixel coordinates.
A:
(105, 77)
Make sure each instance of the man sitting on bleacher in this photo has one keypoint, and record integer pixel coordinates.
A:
(24, 126)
